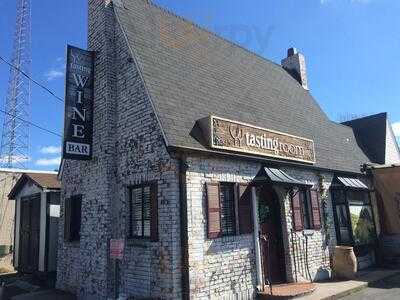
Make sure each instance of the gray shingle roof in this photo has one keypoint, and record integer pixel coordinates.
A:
(371, 128)
(191, 73)
(43, 180)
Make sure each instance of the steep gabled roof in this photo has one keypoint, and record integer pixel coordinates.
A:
(191, 73)
(370, 133)
(376, 138)
(42, 180)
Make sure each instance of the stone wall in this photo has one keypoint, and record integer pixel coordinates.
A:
(320, 246)
(83, 267)
(128, 149)
(149, 268)
(225, 267)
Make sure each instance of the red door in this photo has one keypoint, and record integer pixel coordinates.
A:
(273, 255)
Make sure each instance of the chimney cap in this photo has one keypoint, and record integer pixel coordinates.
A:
(291, 51)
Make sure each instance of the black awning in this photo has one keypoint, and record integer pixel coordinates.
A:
(352, 183)
(278, 176)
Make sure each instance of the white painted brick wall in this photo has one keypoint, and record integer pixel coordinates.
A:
(225, 267)
(128, 149)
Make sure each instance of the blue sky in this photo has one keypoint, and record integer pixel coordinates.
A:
(351, 49)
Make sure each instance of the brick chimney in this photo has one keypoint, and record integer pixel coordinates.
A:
(295, 65)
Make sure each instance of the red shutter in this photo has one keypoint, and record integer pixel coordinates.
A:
(153, 213)
(316, 215)
(213, 211)
(296, 211)
(244, 209)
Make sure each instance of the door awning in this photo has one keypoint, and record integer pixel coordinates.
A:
(278, 176)
(352, 183)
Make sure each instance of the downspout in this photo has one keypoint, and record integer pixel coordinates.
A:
(184, 227)
(256, 235)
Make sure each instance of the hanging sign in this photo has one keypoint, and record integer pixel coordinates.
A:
(78, 115)
(240, 137)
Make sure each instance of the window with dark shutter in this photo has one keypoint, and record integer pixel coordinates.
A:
(221, 220)
(305, 202)
(296, 210)
(244, 209)
(213, 211)
(143, 212)
(227, 204)
(316, 214)
(72, 218)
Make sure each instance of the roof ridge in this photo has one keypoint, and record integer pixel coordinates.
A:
(366, 117)
(171, 13)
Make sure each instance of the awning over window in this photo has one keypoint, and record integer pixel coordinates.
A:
(280, 177)
(352, 183)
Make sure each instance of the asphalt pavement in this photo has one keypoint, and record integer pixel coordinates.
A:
(387, 289)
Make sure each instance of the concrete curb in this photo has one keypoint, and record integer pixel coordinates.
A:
(359, 288)
(347, 292)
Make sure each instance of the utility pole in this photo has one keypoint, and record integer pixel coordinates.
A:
(14, 151)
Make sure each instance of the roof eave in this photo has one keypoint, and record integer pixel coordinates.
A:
(254, 158)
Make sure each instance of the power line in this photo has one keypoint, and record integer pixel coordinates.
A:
(31, 79)
(33, 124)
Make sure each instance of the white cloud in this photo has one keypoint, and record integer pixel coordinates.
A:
(57, 71)
(351, 1)
(48, 161)
(396, 129)
(50, 150)
(54, 74)
(360, 1)
(15, 159)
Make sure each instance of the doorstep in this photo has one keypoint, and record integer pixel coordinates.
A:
(286, 291)
(331, 290)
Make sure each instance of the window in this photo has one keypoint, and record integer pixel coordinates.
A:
(353, 217)
(72, 218)
(343, 223)
(143, 211)
(227, 203)
(228, 209)
(306, 209)
(361, 217)
(305, 202)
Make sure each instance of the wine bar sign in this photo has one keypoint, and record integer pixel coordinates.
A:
(78, 116)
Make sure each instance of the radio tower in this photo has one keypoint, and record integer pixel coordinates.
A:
(14, 151)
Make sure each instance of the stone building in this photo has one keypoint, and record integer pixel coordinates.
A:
(217, 168)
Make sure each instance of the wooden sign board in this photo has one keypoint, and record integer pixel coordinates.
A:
(240, 137)
(117, 248)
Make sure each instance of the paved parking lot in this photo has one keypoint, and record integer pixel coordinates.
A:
(388, 289)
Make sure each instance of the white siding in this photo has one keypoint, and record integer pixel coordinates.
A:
(392, 154)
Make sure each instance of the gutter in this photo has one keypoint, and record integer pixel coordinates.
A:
(184, 227)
